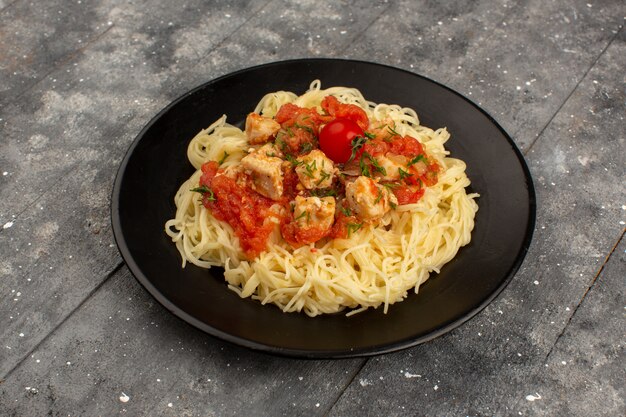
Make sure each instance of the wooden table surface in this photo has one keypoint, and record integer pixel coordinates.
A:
(79, 335)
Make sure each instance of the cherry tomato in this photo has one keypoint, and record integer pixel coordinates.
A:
(336, 139)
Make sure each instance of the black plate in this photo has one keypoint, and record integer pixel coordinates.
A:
(156, 165)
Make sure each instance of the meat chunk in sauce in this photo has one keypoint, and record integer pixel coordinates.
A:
(265, 174)
(315, 170)
(260, 129)
(368, 199)
(314, 213)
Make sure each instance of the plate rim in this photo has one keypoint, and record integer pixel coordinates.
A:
(140, 276)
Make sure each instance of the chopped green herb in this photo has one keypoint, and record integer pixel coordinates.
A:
(306, 147)
(390, 185)
(307, 128)
(393, 205)
(310, 168)
(404, 174)
(369, 135)
(374, 162)
(346, 211)
(221, 161)
(280, 142)
(353, 227)
(365, 169)
(294, 161)
(305, 213)
(393, 132)
(357, 143)
(205, 190)
(379, 196)
(324, 175)
(416, 160)
(324, 192)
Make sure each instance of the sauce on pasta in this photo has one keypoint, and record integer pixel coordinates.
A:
(325, 202)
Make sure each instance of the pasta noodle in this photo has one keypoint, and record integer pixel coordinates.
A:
(378, 264)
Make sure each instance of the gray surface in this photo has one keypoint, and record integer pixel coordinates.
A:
(78, 80)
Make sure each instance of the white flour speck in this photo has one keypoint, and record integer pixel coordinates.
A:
(21, 334)
(583, 160)
(364, 382)
(408, 375)
(124, 398)
(532, 398)
(536, 283)
(436, 387)
(5, 173)
(7, 225)
(170, 405)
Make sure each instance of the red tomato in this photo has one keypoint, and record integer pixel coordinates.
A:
(336, 139)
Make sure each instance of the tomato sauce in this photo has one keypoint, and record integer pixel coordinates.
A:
(408, 194)
(297, 237)
(244, 209)
(248, 212)
(340, 227)
(299, 129)
(334, 110)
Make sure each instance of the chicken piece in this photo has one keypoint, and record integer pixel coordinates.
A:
(233, 172)
(260, 129)
(392, 165)
(265, 173)
(368, 199)
(314, 213)
(269, 149)
(315, 170)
